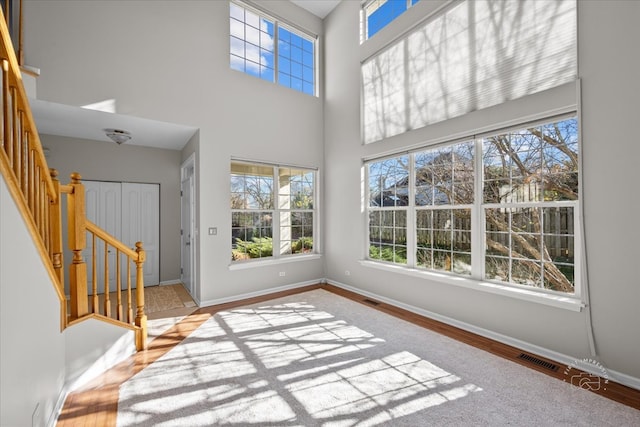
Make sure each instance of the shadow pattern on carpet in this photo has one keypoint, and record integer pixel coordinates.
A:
(318, 359)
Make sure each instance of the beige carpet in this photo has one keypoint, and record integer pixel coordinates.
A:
(317, 359)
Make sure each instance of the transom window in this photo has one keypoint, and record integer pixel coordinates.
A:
(379, 13)
(499, 208)
(271, 50)
(273, 210)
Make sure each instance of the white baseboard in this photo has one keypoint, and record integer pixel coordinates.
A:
(239, 297)
(170, 282)
(587, 365)
(57, 410)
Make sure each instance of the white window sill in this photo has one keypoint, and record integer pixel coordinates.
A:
(242, 265)
(560, 301)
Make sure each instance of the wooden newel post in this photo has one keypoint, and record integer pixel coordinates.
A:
(77, 242)
(55, 215)
(141, 317)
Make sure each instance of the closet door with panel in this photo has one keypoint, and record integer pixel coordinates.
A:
(131, 213)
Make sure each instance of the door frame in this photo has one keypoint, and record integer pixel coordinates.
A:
(188, 172)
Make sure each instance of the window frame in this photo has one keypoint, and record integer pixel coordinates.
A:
(278, 24)
(364, 21)
(277, 209)
(477, 279)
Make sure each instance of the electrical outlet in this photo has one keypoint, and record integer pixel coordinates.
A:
(282, 273)
(213, 231)
(347, 273)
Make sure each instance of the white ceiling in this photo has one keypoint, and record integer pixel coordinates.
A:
(320, 8)
(77, 122)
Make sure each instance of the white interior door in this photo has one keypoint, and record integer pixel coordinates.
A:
(131, 213)
(141, 223)
(187, 228)
(103, 208)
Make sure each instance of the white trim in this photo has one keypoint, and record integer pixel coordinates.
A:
(190, 163)
(478, 209)
(170, 282)
(255, 7)
(57, 410)
(618, 377)
(277, 210)
(268, 291)
(567, 302)
(250, 162)
(262, 262)
(278, 22)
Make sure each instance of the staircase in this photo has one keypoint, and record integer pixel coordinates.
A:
(38, 193)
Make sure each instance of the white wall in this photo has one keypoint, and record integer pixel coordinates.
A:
(92, 347)
(103, 161)
(608, 68)
(169, 61)
(609, 64)
(32, 366)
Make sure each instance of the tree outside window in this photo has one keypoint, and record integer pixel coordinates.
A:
(526, 212)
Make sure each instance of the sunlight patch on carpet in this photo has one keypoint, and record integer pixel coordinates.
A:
(291, 363)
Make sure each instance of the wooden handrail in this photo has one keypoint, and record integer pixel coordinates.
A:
(24, 166)
(137, 257)
(37, 194)
(12, 82)
(78, 227)
(101, 234)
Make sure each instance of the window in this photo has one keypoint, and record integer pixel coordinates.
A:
(271, 50)
(389, 198)
(443, 199)
(517, 192)
(271, 207)
(472, 55)
(378, 13)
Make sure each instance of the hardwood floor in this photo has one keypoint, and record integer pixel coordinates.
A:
(96, 404)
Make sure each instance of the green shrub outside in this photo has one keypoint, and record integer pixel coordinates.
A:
(260, 247)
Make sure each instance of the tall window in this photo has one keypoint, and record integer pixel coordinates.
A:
(379, 13)
(473, 55)
(516, 191)
(272, 210)
(443, 199)
(271, 50)
(388, 201)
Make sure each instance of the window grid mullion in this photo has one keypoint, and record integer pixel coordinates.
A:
(275, 221)
(541, 246)
(276, 52)
(478, 227)
(521, 234)
(305, 81)
(411, 232)
(510, 236)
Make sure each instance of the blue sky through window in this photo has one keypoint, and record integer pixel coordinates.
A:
(252, 50)
(296, 61)
(381, 12)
